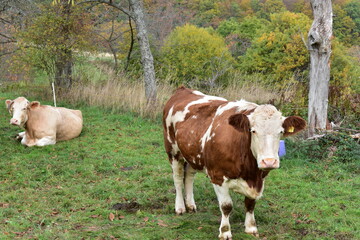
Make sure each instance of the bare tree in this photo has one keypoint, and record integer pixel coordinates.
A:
(146, 55)
(319, 45)
(136, 13)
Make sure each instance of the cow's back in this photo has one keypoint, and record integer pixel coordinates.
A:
(187, 116)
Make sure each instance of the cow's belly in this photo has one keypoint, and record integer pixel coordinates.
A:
(241, 186)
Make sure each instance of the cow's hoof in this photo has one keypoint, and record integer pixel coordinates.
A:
(225, 236)
(191, 208)
(252, 231)
(18, 137)
(180, 211)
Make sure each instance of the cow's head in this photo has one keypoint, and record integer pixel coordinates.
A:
(18, 109)
(267, 126)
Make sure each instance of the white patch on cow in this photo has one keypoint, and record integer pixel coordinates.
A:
(224, 198)
(21, 135)
(174, 149)
(168, 123)
(178, 175)
(239, 105)
(45, 141)
(198, 93)
(194, 117)
(206, 137)
(240, 186)
(198, 156)
(179, 116)
(23, 140)
(266, 123)
(189, 188)
(250, 223)
(192, 131)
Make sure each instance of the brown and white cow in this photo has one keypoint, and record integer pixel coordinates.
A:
(235, 143)
(44, 125)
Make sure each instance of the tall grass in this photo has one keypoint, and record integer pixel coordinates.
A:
(102, 86)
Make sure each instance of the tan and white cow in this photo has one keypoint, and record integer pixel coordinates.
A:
(44, 125)
(235, 143)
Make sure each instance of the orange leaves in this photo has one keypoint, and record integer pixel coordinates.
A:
(111, 217)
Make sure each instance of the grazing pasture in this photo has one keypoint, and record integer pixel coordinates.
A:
(114, 182)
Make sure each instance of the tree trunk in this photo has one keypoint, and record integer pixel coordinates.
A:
(63, 70)
(146, 56)
(64, 61)
(319, 44)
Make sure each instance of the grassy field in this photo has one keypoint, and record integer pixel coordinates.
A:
(115, 182)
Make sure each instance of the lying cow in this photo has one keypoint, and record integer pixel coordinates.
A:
(235, 143)
(44, 125)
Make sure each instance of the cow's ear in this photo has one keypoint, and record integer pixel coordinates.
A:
(240, 122)
(34, 104)
(293, 125)
(9, 103)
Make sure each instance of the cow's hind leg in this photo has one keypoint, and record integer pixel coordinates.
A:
(50, 140)
(225, 204)
(250, 223)
(189, 188)
(178, 175)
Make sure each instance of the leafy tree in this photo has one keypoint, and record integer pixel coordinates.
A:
(191, 53)
(344, 77)
(353, 11)
(344, 27)
(279, 51)
(51, 38)
(270, 7)
(239, 34)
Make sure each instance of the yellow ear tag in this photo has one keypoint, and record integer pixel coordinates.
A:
(291, 129)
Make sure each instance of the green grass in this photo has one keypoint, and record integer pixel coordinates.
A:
(66, 191)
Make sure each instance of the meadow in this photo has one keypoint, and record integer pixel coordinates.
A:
(114, 182)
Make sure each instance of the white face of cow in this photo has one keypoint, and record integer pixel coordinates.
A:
(266, 125)
(266, 129)
(18, 109)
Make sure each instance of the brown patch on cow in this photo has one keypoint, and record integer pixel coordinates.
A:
(225, 229)
(249, 204)
(293, 125)
(226, 208)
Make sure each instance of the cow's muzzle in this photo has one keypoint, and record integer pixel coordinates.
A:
(14, 121)
(269, 163)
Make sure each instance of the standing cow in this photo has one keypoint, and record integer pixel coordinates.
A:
(44, 125)
(235, 143)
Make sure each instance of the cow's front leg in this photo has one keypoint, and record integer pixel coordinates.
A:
(189, 188)
(178, 175)
(225, 204)
(20, 136)
(250, 223)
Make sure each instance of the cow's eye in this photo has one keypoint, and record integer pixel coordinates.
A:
(252, 131)
(24, 109)
(282, 131)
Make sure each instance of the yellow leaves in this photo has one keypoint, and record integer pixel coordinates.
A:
(55, 2)
(192, 51)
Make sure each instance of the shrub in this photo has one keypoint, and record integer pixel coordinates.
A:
(333, 146)
(191, 53)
